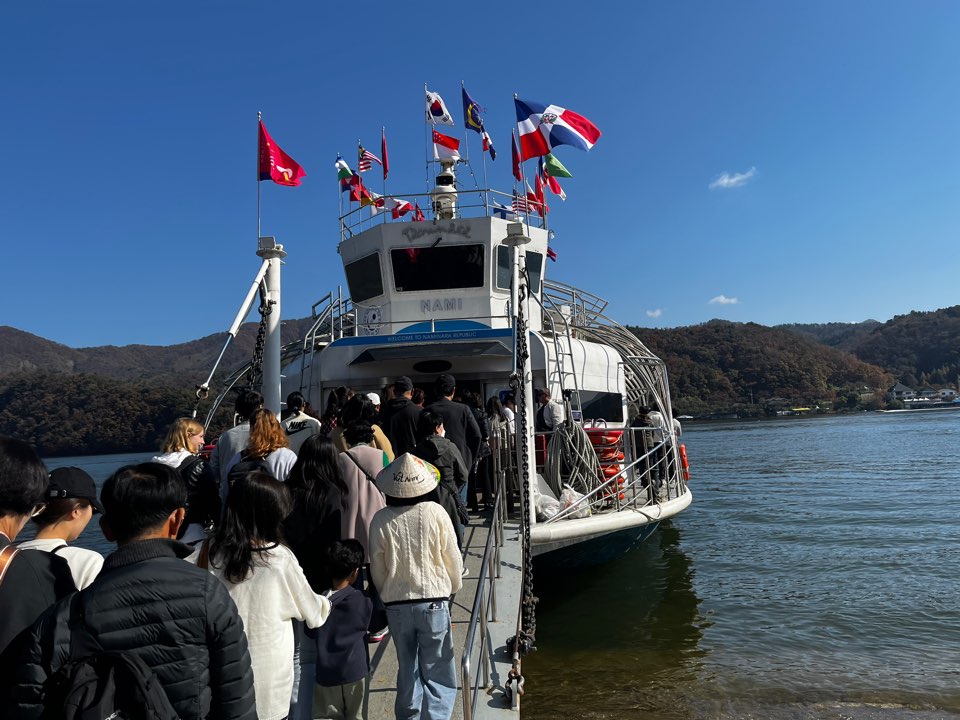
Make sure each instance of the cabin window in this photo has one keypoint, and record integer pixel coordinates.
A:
(605, 405)
(505, 272)
(503, 267)
(364, 278)
(534, 270)
(441, 267)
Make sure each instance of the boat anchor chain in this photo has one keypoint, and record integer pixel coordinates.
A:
(255, 373)
(525, 639)
(514, 693)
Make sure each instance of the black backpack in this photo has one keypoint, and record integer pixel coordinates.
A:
(245, 466)
(98, 685)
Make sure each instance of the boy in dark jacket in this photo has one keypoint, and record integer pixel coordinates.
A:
(177, 618)
(343, 662)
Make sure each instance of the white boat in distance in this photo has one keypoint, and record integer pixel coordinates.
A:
(466, 293)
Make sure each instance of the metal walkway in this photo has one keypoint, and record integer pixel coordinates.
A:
(491, 703)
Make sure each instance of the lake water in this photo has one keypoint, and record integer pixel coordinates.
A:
(814, 576)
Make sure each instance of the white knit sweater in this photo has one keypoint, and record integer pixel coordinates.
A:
(414, 553)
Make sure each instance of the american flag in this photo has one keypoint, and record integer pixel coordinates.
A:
(365, 158)
(520, 204)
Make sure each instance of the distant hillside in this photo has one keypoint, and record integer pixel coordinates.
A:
(842, 336)
(922, 348)
(724, 366)
(185, 364)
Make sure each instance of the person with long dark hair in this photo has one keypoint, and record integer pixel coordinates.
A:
(266, 582)
(335, 401)
(416, 565)
(319, 500)
(358, 409)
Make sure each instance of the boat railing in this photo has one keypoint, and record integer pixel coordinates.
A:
(484, 609)
(650, 474)
(470, 203)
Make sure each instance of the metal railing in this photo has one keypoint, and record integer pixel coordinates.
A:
(484, 608)
(469, 203)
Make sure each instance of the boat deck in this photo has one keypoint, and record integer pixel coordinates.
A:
(491, 703)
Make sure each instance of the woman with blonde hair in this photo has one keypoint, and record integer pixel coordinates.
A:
(181, 450)
(267, 448)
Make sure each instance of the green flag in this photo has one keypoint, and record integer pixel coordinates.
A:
(555, 168)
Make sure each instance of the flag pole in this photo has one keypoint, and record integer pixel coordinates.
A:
(426, 143)
(259, 122)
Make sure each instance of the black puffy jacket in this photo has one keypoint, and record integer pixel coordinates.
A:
(177, 618)
(203, 492)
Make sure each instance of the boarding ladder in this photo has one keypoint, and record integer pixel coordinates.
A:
(643, 371)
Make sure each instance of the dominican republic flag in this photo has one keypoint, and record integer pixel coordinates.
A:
(445, 147)
(543, 127)
(488, 144)
(551, 254)
(437, 112)
(274, 164)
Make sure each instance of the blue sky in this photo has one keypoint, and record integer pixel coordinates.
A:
(760, 161)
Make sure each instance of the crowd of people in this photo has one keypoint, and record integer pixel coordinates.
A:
(250, 585)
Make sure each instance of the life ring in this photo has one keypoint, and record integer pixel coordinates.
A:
(684, 463)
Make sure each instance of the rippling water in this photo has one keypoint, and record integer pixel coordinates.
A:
(814, 576)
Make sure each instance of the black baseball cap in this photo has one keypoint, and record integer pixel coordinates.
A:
(403, 384)
(72, 482)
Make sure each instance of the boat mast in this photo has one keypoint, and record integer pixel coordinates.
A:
(516, 241)
(273, 253)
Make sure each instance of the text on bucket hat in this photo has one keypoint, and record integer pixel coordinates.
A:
(408, 477)
(73, 482)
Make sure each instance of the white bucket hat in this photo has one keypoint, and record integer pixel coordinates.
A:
(408, 477)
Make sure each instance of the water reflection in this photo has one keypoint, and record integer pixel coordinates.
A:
(646, 646)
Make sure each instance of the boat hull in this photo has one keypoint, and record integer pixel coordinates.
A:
(592, 552)
(599, 538)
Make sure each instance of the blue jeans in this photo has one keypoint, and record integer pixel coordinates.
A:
(426, 669)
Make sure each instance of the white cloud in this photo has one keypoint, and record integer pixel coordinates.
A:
(654, 313)
(725, 180)
(723, 300)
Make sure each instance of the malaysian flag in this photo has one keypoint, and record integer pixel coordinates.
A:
(365, 158)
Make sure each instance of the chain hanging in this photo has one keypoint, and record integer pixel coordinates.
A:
(525, 641)
(255, 373)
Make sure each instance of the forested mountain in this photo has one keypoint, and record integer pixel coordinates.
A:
(109, 399)
(750, 368)
(918, 349)
(186, 363)
(843, 336)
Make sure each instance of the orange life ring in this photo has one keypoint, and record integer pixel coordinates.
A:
(684, 463)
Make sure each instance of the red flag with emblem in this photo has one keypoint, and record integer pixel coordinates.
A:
(274, 164)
